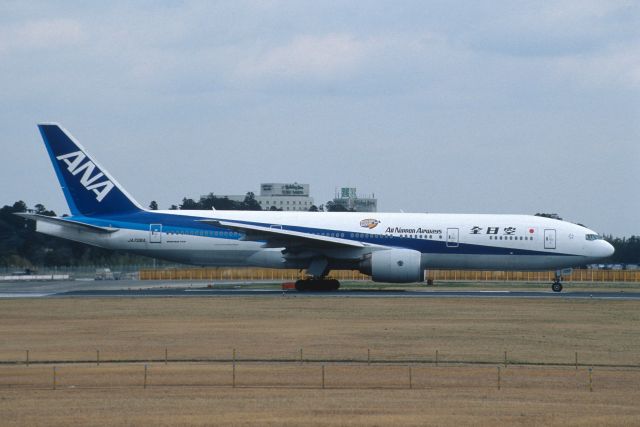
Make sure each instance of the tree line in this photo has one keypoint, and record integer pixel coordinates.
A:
(22, 247)
(211, 201)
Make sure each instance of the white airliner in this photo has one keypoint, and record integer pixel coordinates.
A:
(391, 247)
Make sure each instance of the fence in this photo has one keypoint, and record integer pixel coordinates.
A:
(365, 356)
(578, 275)
(266, 274)
(31, 277)
(219, 273)
(84, 271)
(319, 375)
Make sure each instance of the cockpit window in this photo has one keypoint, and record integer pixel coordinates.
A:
(593, 237)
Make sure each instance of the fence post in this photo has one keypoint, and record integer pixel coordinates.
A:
(322, 376)
(576, 360)
(233, 373)
(145, 376)
(436, 357)
(499, 385)
(166, 355)
(368, 356)
(97, 357)
(505, 358)
(410, 379)
(590, 379)
(301, 356)
(27, 360)
(54, 377)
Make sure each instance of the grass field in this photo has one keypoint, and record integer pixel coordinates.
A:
(393, 330)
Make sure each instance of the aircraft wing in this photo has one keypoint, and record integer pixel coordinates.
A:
(67, 223)
(277, 237)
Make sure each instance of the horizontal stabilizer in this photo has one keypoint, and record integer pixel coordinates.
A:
(68, 223)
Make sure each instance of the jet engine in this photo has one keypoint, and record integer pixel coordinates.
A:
(393, 265)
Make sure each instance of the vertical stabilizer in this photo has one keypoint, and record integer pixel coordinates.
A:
(88, 187)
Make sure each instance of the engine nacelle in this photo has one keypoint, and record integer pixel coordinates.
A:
(394, 266)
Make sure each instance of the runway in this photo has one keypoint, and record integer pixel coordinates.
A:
(137, 289)
(349, 294)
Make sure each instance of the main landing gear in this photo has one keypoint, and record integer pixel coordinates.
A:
(317, 277)
(556, 286)
(317, 285)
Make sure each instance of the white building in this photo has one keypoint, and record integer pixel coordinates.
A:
(348, 198)
(284, 196)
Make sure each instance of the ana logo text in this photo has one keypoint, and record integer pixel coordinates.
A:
(369, 223)
(494, 230)
(76, 163)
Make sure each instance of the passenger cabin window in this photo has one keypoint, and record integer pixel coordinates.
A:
(593, 237)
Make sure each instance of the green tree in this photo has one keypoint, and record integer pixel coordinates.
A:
(41, 210)
(332, 206)
(207, 202)
(225, 204)
(250, 203)
(549, 215)
(189, 204)
(627, 249)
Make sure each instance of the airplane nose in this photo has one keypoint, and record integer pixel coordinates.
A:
(607, 249)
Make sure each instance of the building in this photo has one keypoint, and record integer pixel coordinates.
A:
(348, 198)
(284, 196)
(288, 197)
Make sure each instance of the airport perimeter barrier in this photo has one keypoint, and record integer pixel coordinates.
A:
(88, 271)
(234, 374)
(267, 274)
(32, 277)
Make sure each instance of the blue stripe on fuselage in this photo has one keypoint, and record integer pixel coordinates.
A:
(174, 223)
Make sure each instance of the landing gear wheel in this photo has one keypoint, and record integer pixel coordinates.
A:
(332, 285)
(556, 287)
(301, 285)
(317, 285)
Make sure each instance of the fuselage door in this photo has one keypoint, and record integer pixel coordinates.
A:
(549, 238)
(155, 233)
(452, 237)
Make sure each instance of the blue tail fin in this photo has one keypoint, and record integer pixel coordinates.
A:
(88, 187)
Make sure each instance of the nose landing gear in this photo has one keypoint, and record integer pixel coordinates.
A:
(556, 286)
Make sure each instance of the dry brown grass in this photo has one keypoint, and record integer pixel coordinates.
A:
(453, 404)
(394, 329)
(602, 332)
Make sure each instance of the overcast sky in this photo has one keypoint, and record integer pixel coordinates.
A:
(434, 106)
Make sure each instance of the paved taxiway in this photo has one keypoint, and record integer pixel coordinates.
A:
(131, 288)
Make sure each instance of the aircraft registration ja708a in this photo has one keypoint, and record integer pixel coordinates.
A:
(391, 247)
